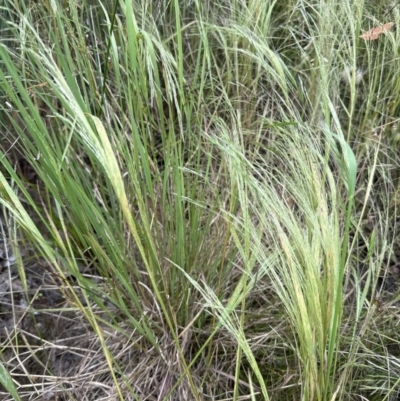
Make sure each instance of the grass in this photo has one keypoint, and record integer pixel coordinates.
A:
(202, 200)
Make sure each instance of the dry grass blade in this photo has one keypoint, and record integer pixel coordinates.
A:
(374, 33)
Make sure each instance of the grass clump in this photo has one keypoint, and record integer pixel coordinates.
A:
(201, 201)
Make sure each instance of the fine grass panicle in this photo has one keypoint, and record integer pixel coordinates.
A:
(199, 200)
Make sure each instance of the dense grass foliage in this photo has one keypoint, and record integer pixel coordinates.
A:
(207, 193)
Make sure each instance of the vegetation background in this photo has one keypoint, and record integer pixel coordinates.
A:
(200, 200)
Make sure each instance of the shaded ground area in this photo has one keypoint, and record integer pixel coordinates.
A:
(48, 346)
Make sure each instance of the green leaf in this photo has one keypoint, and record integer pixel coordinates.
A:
(6, 381)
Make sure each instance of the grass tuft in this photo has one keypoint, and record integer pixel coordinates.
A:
(199, 201)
